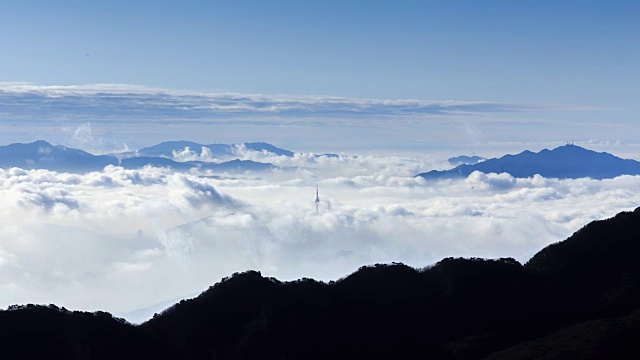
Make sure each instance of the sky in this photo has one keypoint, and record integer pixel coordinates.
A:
(396, 87)
(568, 68)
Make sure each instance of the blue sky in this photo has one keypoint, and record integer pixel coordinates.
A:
(401, 84)
(580, 54)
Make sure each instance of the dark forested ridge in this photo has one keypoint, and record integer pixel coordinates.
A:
(579, 298)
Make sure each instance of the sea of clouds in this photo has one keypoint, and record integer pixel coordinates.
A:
(120, 240)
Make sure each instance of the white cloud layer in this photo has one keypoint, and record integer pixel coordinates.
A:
(120, 239)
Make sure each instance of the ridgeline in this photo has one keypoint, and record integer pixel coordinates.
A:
(579, 298)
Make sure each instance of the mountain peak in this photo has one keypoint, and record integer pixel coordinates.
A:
(35, 143)
(571, 147)
(565, 162)
(167, 148)
(42, 155)
(465, 159)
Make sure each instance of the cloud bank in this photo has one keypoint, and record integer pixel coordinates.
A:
(120, 239)
(117, 101)
(113, 117)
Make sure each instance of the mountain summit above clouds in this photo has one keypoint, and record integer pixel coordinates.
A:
(168, 148)
(564, 162)
(465, 159)
(42, 155)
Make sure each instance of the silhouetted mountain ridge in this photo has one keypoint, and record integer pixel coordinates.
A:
(44, 332)
(564, 162)
(583, 288)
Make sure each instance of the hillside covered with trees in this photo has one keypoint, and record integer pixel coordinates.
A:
(579, 298)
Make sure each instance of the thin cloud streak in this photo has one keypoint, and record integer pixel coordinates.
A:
(138, 102)
(108, 117)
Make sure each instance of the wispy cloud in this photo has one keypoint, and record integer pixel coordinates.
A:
(110, 117)
(137, 102)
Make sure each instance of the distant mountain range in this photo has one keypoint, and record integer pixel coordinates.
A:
(226, 166)
(464, 159)
(564, 162)
(42, 155)
(578, 299)
(167, 148)
(569, 161)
